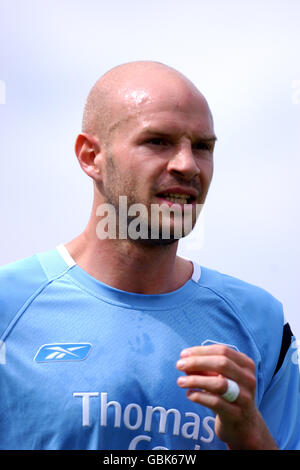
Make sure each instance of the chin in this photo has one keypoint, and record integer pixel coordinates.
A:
(152, 242)
(160, 237)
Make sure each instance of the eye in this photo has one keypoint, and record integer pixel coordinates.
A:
(202, 146)
(157, 141)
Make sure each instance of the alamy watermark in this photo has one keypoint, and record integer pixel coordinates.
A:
(296, 354)
(138, 222)
(2, 92)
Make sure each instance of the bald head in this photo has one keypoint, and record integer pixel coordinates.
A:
(120, 92)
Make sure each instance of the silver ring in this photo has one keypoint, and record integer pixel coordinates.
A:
(232, 392)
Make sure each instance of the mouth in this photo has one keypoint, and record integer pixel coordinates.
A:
(177, 197)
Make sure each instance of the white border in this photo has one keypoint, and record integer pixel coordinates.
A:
(62, 250)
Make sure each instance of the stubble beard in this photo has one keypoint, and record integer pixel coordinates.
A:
(116, 186)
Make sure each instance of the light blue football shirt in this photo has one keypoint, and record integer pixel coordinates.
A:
(87, 366)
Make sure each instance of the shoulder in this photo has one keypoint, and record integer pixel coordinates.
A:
(257, 309)
(21, 281)
(241, 295)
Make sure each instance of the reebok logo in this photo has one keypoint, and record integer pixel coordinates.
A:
(57, 352)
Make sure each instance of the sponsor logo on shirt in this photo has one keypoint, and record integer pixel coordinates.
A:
(58, 352)
(148, 423)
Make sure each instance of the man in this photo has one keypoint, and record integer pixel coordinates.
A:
(115, 342)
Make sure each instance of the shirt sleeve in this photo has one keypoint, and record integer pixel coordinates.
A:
(18, 283)
(280, 405)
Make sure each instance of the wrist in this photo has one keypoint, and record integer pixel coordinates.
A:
(254, 442)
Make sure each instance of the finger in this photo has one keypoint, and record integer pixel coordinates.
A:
(217, 384)
(220, 349)
(195, 365)
(211, 395)
(215, 402)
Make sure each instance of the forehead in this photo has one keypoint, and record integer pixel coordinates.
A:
(171, 108)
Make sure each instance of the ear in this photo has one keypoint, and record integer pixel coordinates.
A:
(87, 148)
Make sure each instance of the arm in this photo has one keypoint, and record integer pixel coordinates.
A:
(239, 424)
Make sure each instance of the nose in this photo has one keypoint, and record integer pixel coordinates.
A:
(183, 163)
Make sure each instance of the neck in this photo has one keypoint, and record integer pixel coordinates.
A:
(129, 265)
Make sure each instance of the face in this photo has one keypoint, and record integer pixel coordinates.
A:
(160, 152)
